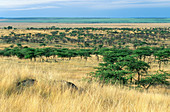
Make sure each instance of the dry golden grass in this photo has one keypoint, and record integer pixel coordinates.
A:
(80, 25)
(5, 32)
(44, 97)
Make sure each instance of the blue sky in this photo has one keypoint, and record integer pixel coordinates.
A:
(85, 8)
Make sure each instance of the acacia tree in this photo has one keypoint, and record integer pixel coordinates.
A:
(7, 52)
(43, 44)
(1, 53)
(119, 66)
(136, 66)
(47, 53)
(162, 56)
(9, 27)
(113, 69)
(54, 33)
(155, 79)
(113, 73)
(29, 53)
(143, 52)
(19, 45)
(84, 53)
(40, 53)
(71, 53)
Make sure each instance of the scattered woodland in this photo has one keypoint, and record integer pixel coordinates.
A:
(113, 65)
(88, 36)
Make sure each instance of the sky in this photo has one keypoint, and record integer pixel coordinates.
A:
(85, 8)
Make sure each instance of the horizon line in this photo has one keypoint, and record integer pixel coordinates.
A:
(79, 17)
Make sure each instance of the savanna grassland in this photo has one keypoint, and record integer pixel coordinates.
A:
(80, 25)
(44, 97)
(74, 53)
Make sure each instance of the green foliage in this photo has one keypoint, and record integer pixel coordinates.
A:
(122, 65)
(86, 44)
(143, 52)
(110, 74)
(114, 69)
(162, 56)
(100, 46)
(54, 33)
(11, 46)
(155, 79)
(42, 44)
(9, 27)
(39, 52)
(58, 46)
(112, 55)
(29, 53)
(19, 45)
(84, 53)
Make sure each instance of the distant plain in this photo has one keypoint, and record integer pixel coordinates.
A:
(85, 22)
(79, 25)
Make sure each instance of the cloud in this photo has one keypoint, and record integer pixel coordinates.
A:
(116, 4)
(21, 3)
(35, 8)
(95, 4)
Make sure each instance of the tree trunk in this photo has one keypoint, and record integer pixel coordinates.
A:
(131, 80)
(144, 58)
(85, 58)
(159, 65)
(148, 86)
(97, 57)
(34, 59)
(138, 77)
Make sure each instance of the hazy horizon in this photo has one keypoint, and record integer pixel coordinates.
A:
(98, 17)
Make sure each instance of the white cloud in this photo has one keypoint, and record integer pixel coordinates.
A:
(35, 8)
(133, 4)
(21, 3)
(98, 4)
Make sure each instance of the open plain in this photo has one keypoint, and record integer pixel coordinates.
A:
(80, 25)
(92, 96)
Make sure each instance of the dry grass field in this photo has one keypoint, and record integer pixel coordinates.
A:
(44, 97)
(80, 25)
